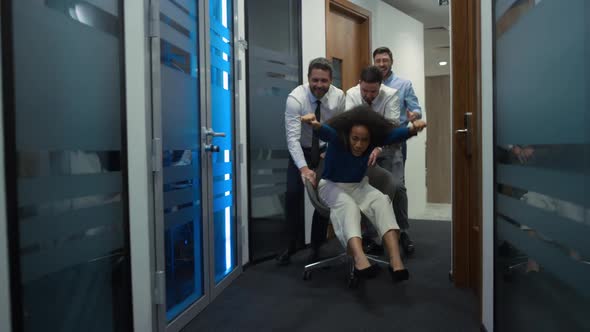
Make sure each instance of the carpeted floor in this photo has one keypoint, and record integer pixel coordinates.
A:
(267, 297)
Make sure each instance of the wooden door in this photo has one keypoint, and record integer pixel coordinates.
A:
(466, 129)
(347, 41)
(438, 142)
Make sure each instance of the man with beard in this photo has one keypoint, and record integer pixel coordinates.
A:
(385, 101)
(393, 159)
(321, 98)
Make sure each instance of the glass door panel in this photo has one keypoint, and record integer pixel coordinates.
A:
(181, 181)
(273, 72)
(224, 226)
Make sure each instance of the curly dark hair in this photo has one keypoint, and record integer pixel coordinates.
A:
(379, 127)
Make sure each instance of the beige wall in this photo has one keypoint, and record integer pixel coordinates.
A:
(438, 149)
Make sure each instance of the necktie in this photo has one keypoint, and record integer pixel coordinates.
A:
(315, 140)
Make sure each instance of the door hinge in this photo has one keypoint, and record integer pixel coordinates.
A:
(243, 44)
(156, 154)
(154, 19)
(160, 287)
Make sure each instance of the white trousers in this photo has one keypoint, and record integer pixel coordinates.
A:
(346, 202)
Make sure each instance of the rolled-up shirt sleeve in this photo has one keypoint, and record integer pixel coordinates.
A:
(412, 101)
(293, 131)
(392, 108)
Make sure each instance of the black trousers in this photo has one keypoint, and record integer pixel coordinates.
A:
(294, 210)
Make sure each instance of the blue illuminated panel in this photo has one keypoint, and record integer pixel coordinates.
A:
(222, 121)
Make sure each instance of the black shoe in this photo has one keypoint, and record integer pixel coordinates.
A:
(367, 273)
(406, 243)
(284, 258)
(399, 275)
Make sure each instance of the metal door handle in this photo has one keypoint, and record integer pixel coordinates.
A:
(211, 133)
(467, 132)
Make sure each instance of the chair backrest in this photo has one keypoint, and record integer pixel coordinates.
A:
(317, 203)
(312, 192)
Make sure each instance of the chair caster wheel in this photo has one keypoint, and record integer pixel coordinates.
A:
(306, 275)
(353, 282)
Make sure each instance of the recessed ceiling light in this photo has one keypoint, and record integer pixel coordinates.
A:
(442, 63)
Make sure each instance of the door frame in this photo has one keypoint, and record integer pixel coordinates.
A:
(467, 170)
(5, 312)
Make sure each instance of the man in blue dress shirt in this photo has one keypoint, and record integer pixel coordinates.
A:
(394, 158)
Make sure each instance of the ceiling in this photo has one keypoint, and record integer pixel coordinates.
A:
(436, 32)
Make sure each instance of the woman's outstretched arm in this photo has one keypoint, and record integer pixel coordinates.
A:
(399, 135)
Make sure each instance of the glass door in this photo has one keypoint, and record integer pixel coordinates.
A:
(195, 230)
(180, 232)
(542, 165)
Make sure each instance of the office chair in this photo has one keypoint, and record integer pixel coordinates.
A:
(378, 178)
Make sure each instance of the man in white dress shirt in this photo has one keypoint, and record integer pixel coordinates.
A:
(319, 97)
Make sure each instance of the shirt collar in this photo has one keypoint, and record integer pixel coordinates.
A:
(390, 79)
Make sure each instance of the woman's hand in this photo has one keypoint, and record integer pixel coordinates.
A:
(418, 126)
(310, 119)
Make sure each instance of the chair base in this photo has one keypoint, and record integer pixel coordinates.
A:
(353, 280)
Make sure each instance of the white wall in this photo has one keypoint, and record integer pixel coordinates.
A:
(487, 104)
(242, 167)
(313, 32)
(4, 265)
(313, 45)
(137, 89)
(404, 35)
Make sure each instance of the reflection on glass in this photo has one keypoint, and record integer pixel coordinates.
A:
(181, 155)
(224, 225)
(72, 222)
(273, 72)
(542, 166)
(337, 67)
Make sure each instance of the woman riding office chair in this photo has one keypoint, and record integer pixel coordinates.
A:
(378, 178)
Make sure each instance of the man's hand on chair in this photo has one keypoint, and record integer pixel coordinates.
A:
(308, 174)
(374, 155)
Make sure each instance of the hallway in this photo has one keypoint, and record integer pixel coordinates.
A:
(267, 297)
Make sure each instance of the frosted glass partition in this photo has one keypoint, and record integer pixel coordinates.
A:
(273, 71)
(70, 165)
(542, 137)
